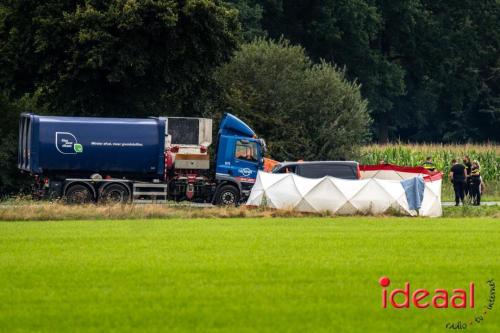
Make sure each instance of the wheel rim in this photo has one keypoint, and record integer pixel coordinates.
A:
(228, 198)
(80, 196)
(114, 196)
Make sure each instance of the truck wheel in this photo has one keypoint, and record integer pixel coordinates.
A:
(228, 195)
(78, 194)
(115, 194)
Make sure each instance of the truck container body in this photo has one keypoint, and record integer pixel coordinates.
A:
(78, 145)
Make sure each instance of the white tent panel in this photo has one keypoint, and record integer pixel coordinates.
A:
(304, 206)
(402, 206)
(372, 199)
(269, 179)
(374, 195)
(320, 196)
(305, 185)
(258, 191)
(347, 209)
(397, 192)
(349, 188)
(431, 204)
(287, 197)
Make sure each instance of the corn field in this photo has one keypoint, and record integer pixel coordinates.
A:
(488, 156)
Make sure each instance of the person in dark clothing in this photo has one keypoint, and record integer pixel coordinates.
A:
(458, 177)
(468, 168)
(475, 183)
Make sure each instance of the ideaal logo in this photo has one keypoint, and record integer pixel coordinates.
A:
(422, 298)
(439, 299)
(67, 144)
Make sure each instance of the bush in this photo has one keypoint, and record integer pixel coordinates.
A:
(305, 111)
(11, 180)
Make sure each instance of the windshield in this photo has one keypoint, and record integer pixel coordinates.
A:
(246, 151)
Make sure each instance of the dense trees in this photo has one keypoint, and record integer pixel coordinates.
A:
(428, 68)
(108, 57)
(8, 140)
(304, 111)
(120, 57)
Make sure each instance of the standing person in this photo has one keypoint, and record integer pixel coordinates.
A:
(458, 177)
(468, 169)
(475, 183)
(429, 164)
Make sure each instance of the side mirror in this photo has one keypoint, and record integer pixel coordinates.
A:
(263, 146)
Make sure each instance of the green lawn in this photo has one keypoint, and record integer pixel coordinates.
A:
(232, 275)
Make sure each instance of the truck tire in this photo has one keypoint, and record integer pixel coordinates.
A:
(227, 195)
(78, 194)
(115, 194)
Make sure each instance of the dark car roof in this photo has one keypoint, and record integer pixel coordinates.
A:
(286, 164)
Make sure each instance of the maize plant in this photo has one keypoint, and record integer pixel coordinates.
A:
(488, 156)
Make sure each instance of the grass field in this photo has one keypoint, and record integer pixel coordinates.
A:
(53, 211)
(233, 275)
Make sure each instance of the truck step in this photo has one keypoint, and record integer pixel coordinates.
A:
(146, 193)
(149, 193)
(150, 185)
(143, 201)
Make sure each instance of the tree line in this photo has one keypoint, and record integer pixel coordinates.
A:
(315, 78)
(429, 69)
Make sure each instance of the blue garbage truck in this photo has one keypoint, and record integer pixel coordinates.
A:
(120, 160)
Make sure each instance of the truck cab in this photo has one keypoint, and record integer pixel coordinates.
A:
(239, 156)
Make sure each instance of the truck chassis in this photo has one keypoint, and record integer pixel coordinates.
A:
(88, 190)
